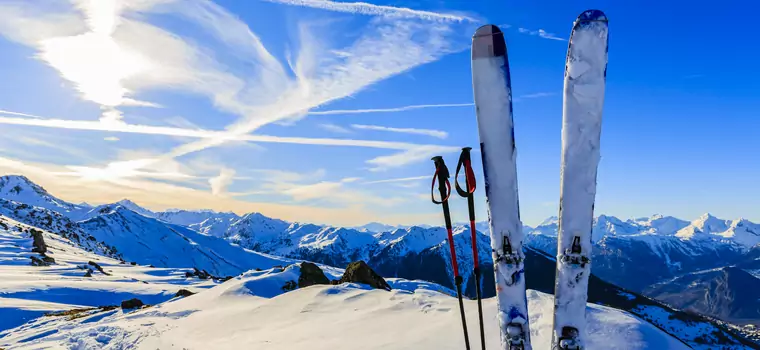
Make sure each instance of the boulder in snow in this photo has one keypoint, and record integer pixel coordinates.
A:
(133, 303)
(39, 242)
(183, 293)
(311, 274)
(360, 272)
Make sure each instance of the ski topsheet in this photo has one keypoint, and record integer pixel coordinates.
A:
(493, 102)
(585, 72)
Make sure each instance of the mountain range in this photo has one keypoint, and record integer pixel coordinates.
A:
(656, 256)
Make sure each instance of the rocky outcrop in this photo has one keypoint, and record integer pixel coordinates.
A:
(311, 274)
(133, 303)
(360, 272)
(183, 293)
(98, 267)
(39, 241)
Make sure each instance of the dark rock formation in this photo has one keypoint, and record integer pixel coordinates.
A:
(98, 267)
(311, 274)
(183, 293)
(39, 242)
(133, 303)
(360, 272)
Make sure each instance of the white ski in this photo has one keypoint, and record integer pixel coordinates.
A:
(585, 73)
(493, 103)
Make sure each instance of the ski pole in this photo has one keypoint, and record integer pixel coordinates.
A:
(444, 187)
(469, 178)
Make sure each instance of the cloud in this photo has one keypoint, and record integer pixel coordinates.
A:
(220, 183)
(537, 95)
(162, 196)
(429, 132)
(113, 64)
(540, 33)
(334, 128)
(403, 179)
(389, 110)
(374, 10)
(118, 126)
(111, 138)
(408, 157)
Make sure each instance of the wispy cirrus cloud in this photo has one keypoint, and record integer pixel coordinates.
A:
(402, 179)
(409, 156)
(540, 33)
(374, 10)
(201, 133)
(428, 132)
(334, 128)
(113, 66)
(389, 110)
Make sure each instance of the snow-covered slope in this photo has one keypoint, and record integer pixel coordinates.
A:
(252, 311)
(27, 291)
(150, 241)
(20, 189)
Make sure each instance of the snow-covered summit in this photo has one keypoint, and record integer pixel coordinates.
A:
(20, 189)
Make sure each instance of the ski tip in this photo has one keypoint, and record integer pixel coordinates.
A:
(592, 16)
(488, 41)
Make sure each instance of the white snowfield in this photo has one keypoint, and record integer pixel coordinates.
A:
(253, 312)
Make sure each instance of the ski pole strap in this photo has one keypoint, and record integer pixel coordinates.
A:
(469, 175)
(442, 176)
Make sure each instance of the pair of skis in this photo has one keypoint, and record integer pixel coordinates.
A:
(585, 73)
(444, 188)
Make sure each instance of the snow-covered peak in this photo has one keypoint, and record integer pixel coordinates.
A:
(660, 224)
(126, 203)
(710, 224)
(552, 220)
(20, 189)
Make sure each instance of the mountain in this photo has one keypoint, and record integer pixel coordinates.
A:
(414, 252)
(150, 241)
(728, 293)
(20, 189)
(62, 226)
(126, 203)
(204, 221)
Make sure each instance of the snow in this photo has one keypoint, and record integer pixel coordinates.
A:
(29, 291)
(149, 241)
(252, 311)
(20, 189)
(585, 75)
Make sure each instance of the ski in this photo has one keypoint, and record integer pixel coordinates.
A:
(493, 104)
(585, 73)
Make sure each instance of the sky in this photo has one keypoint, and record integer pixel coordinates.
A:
(328, 112)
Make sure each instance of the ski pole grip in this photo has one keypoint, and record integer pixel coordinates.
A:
(442, 176)
(469, 175)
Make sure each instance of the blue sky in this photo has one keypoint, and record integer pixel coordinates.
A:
(300, 109)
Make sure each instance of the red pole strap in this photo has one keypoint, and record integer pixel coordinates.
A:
(469, 176)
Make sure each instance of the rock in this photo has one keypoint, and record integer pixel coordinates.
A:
(133, 303)
(183, 293)
(132, 263)
(202, 274)
(311, 274)
(360, 272)
(289, 285)
(49, 260)
(98, 267)
(38, 262)
(39, 242)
